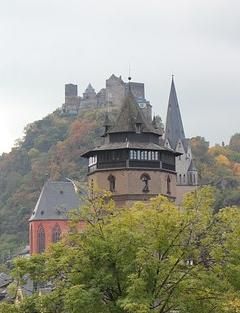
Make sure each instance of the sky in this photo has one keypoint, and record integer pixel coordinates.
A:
(47, 43)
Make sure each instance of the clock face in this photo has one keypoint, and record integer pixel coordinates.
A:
(142, 105)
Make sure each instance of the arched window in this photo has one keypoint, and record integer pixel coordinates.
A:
(31, 238)
(145, 179)
(112, 183)
(56, 233)
(41, 239)
(168, 185)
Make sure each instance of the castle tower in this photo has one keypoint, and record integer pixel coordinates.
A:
(131, 163)
(49, 219)
(72, 100)
(187, 174)
(89, 98)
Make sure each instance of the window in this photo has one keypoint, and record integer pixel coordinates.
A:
(134, 154)
(31, 238)
(153, 155)
(149, 155)
(184, 178)
(145, 155)
(145, 179)
(156, 155)
(138, 154)
(56, 233)
(142, 155)
(168, 185)
(41, 239)
(112, 183)
(131, 154)
(180, 178)
(194, 180)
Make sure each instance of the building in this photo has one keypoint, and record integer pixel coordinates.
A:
(132, 163)
(71, 105)
(187, 174)
(111, 96)
(50, 216)
(135, 162)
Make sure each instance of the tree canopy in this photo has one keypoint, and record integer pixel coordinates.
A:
(151, 257)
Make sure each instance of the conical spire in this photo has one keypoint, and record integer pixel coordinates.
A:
(89, 87)
(174, 126)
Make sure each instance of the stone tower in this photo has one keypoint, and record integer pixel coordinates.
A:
(187, 174)
(89, 99)
(72, 100)
(132, 163)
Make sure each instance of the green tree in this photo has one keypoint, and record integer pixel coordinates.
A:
(234, 143)
(152, 257)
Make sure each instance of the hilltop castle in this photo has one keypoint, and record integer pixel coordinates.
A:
(136, 161)
(110, 96)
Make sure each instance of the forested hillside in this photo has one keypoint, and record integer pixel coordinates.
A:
(51, 148)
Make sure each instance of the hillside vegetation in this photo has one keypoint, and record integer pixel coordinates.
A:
(51, 148)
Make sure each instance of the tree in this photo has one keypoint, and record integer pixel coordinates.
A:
(152, 257)
(234, 143)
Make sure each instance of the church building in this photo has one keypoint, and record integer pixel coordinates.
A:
(50, 217)
(174, 138)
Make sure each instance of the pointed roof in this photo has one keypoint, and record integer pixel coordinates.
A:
(130, 114)
(55, 200)
(90, 88)
(174, 126)
(192, 166)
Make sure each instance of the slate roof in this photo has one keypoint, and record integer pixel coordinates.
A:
(174, 127)
(129, 145)
(130, 113)
(55, 200)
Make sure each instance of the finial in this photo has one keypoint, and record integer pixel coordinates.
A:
(129, 73)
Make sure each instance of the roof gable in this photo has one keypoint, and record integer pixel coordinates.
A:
(55, 200)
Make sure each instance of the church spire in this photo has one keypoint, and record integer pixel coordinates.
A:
(174, 126)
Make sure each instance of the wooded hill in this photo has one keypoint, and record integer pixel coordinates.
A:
(51, 148)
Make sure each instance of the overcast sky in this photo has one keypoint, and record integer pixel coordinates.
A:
(47, 43)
